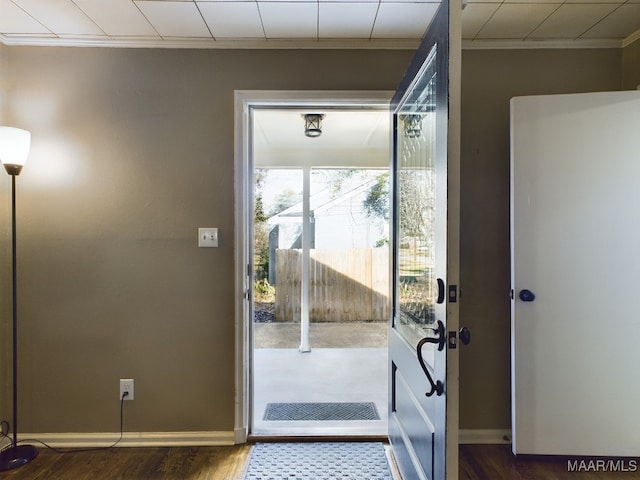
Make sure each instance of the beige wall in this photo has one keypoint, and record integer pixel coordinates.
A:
(133, 150)
(490, 78)
(5, 262)
(3, 74)
(631, 66)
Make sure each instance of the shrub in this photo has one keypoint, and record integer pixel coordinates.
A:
(263, 291)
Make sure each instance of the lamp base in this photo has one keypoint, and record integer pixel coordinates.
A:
(16, 456)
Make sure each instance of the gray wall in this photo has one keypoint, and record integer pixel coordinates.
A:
(133, 150)
(490, 78)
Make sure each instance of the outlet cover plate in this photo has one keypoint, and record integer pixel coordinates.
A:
(207, 237)
(126, 385)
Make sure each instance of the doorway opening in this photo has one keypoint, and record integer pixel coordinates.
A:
(318, 275)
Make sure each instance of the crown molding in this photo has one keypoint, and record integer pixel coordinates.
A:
(538, 44)
(302, 44)
(209, 43)
(631, 38)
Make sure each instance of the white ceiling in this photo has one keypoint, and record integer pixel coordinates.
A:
(312, 23)
(350, 138)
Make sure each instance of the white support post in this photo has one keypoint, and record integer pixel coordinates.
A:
(306, 253)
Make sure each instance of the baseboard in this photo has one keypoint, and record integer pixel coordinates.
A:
(477, 436)
(241, 435)
(202, 439)
(130, 439)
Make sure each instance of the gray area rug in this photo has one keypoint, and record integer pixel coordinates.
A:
(321, 411)
(318, 461)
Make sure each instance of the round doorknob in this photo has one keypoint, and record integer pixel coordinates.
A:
(465, 335)
(527, 295)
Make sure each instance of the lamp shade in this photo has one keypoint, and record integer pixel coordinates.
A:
(14, 148)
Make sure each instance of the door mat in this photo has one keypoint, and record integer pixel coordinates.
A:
(321, 411)
(318, 461)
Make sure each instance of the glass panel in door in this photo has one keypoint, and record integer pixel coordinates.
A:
(416, 211)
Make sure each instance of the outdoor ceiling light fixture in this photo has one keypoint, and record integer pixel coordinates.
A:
(313, 124)
(412, 125)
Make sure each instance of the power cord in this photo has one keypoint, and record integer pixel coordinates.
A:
(4, 429)
(4, 434)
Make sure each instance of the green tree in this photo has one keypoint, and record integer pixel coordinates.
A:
(260, 228)
(376, 204)
(288, 198)
(415, 201)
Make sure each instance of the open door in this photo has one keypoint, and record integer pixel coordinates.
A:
(424, 263)
(575, 233)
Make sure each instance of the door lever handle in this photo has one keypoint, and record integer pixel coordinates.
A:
(440, 340)
(437, 386)
(441, 290)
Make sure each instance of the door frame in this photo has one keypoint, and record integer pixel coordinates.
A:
(245, 100)
(454, 139)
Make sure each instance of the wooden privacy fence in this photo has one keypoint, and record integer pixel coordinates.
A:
(346, 285)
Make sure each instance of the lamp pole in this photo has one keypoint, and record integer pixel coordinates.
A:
(14, 307)
(15, 455)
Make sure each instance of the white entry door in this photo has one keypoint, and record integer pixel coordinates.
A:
(422, 385)
(575, 272)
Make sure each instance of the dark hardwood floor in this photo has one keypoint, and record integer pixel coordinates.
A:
(477, 462)
(164, 463)
(495, 462)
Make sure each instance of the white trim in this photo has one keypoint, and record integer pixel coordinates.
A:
(130, 439)
(182, 439)
(302, 44)
(241, 435)
(631, 38)
(208, 43)
(393, 463)
(484, 436)
(242, 341)
(244, 101)
(313, 98)
(539, 44)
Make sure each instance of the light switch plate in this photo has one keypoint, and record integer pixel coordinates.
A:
(207, 237)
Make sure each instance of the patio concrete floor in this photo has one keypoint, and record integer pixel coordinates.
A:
(347, 363)
(322, 335)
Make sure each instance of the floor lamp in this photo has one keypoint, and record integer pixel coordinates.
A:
(14, 148)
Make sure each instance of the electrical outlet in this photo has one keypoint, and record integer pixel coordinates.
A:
(126, 385)
(207, 237)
